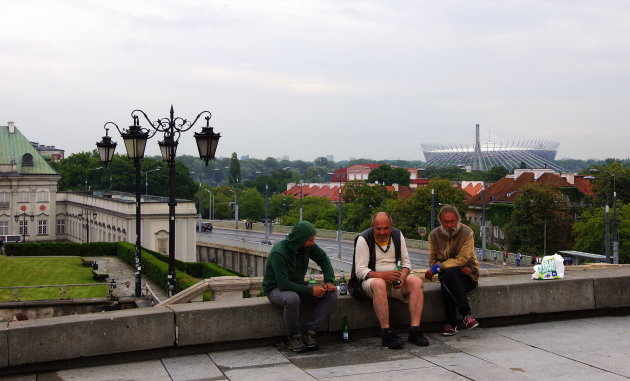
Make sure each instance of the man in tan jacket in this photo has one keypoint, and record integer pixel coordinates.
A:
(452, 257)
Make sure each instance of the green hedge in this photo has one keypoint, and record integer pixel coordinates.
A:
(197, 269)
(154, 268)
(92, 249)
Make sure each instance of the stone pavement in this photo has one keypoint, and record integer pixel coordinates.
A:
(125, 277)
(594, 348)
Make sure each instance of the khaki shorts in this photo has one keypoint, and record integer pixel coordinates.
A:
(392, 292)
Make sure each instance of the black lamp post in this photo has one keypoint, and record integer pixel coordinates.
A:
(17, 216)
(135, 138)
(86, 225)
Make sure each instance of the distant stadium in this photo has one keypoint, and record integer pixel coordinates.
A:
(481, 157)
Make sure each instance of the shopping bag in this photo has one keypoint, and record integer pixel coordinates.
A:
(551, 267)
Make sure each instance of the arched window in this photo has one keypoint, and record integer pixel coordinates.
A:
(27, 160)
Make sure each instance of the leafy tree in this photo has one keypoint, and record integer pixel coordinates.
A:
(251, 205)
(315, 174)
(590, 231)
(495, 173)
(235, 170)
(280, 205)
(410, 213)
(361, 201)
(540, 210)
(387, 175)
(317, 210)
(614, 176)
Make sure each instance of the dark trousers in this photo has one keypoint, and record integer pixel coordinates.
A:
(455, 289)
(290, 302)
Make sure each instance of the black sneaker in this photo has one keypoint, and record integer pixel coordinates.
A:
(392, 341)
(296, 344)
(309, 340)
(417, 337)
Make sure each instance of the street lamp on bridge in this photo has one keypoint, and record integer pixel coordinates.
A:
(135, 138)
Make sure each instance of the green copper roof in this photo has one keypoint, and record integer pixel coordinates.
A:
(14, 146)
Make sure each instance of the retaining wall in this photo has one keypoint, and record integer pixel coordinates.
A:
(184, 325)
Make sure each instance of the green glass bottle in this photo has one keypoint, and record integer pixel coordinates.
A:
(397, 268)
(346, 330)
(312, 281)
(342, 286)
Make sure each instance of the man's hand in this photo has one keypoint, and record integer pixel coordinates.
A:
(330, 287)
(319, 291)
(466, 270)
(391, 276)
(428, 274)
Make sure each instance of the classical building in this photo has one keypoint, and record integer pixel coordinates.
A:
(28, 190)
(98, 216)
(31, 209)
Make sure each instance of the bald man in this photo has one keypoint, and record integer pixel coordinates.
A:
(374, 273)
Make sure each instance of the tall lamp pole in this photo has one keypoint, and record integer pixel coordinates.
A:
(615, 223)
(483, 220)
(210, 203)
(432, 209)
(31, 216)
(135, 138)
(266, 213)
(301, 195)
(87, 171)
(146, 179)
(339, 225)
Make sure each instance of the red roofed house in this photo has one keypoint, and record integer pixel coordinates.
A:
(507, 189)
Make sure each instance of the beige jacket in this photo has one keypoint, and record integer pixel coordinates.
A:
(455, 251)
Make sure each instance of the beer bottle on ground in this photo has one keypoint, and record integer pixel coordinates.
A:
(346, 330)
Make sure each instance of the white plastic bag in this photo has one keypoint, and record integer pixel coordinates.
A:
(551, 267)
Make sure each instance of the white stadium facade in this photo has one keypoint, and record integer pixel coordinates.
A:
(481, 157)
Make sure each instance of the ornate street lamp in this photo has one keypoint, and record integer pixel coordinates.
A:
(24, 224)
(135, 138)
(106, 148)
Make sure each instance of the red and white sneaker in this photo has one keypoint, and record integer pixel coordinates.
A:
(470, 322)
(449, 330)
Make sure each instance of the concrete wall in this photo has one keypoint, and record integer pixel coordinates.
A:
(183, 325)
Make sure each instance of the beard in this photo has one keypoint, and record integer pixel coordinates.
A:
(450, 234)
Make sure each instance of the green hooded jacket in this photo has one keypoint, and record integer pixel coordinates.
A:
(286, 266)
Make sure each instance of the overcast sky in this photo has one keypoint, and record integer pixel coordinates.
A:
(313, 78)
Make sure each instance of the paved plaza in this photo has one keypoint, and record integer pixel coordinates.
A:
(581, 349)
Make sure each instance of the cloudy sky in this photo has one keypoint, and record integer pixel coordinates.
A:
(304, 79)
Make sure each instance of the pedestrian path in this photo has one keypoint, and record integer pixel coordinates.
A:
(582, 349)
(125, 277)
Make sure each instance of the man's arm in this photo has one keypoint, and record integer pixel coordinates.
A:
(319, 256)
(280, 271)
(464, 256)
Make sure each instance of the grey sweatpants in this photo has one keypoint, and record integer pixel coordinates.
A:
(290, 302)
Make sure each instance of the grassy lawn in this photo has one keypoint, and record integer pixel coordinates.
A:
(25, 271)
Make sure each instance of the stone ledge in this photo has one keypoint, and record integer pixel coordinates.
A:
(186, 325)
(74, 336)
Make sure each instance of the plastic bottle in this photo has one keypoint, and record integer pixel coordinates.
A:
(312, 281)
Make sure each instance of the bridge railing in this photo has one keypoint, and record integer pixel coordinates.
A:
(321, 233)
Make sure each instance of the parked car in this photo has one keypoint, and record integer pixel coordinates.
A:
(205, 227)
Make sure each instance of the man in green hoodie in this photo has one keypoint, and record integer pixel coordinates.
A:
(285, 286)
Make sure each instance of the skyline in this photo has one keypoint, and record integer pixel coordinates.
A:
(307, 79)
